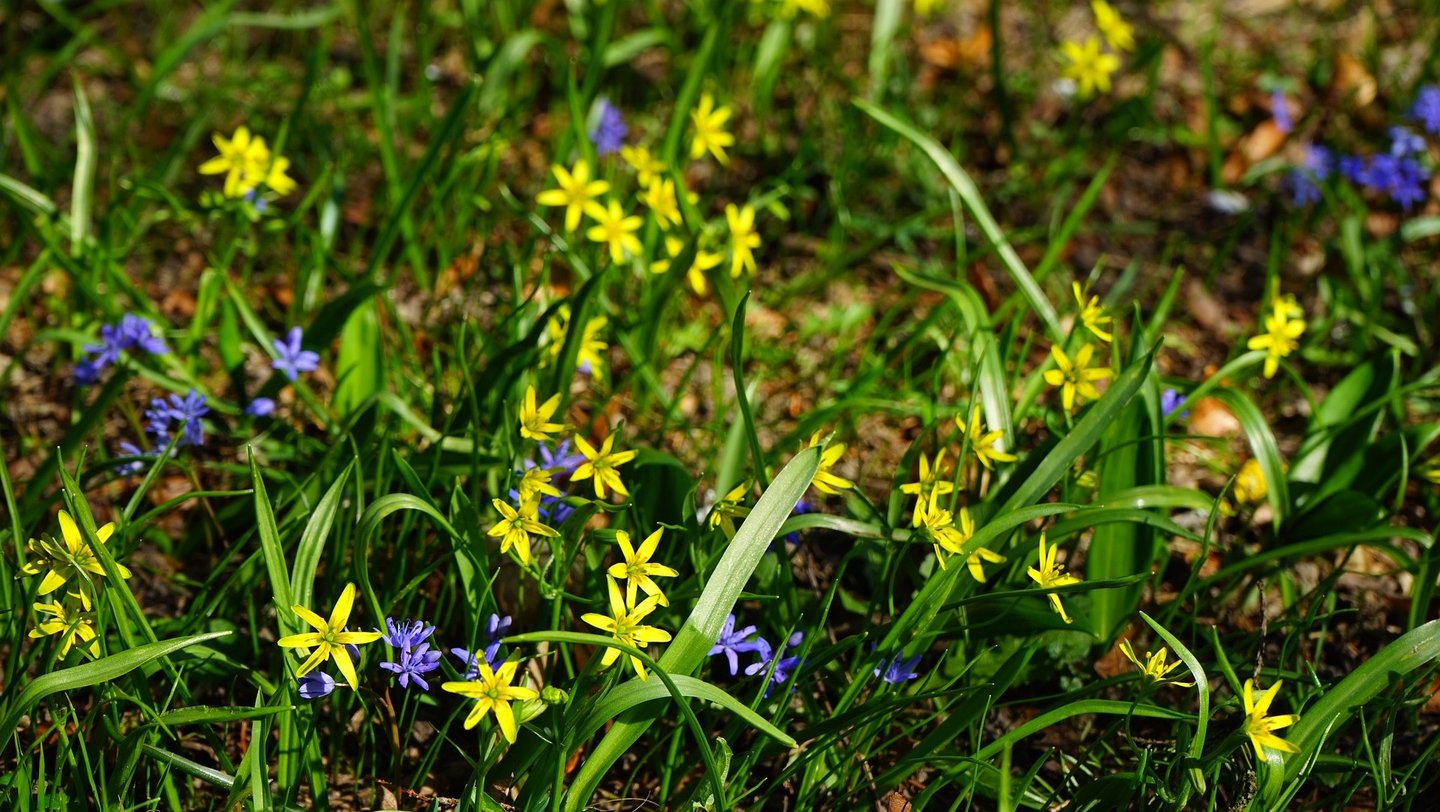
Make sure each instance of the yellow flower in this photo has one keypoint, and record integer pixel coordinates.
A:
(1088, 67)
(68, 558)
(940, 524)
(659, 197)
(601, 465)
(646, 167)
(1431, 472)
(591, 357)
(615, 229)
(624, 624)
(274, 178)
(931, 479)
(638, 569)
(70, 627)
(242, 157)
(329, 638)
(1261, 729)
(695, 275)
(1112, 26)
(576, 192)
(1283, 328)
(710, 135)
(927, 7)
(825, 481)
(515, 527)
(743, 239)
(535, 417)
(1250, 488)
(1092, 315)
(815, 8)
(1075, 376)
(730, 507)
(493, 693)
(1154, 667)
(983, 442)
(534, 482)
(1050, 575)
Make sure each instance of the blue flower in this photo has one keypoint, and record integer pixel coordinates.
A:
(293, 360)
(553, 509)
(136, 333)
(1426, 109)
(1280, 110)
(899, 671)
(405, 634)
(189, 410)
(1170, 400)
(561, 461)
(1352, 168)
(159, 418)
(1303, 179)
(87, 372)
(496, 627)
(133, 332)
(133, 467)
(732, 643)
(1400, 178)
(784, 666)
(610, 130)
(414, 662)
(316, 685)
(1405, 144)
(260, 407)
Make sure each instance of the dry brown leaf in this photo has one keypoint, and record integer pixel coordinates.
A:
(953, 53)
(1352, 81)
(1212, 418)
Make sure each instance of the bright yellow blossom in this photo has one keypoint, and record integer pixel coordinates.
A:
(743, 239)
(1260, 728)
(1154, 667)
(1113, 27)
(576, 192)
(602, 465)
(1088, 67)
(70, 627)
(1283, 328)
(826, 481)
(516, 526)
(493, 693)
(535, 482)
(624, 624)
(645, 166)
(1077, 376)
(638, 569)
(927, 7)
(815, 8)
(1050, 574)
(710, 135)
(931, 479)
(659, 197)
(729, 508)
(329, 638)
(983, 442)
(242, 158)
(1092, 315)
(1250, 488)
(591, 357)
(940, 524)
(615, 229)
(535, 417)
(70, 557)
(695, 275)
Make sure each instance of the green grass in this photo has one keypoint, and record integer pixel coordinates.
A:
(920, 224)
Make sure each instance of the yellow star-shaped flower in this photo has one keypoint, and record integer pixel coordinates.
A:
(493, 693)
(329, 638)
(575, 191)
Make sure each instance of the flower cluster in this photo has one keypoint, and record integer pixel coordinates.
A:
(249, 166)
(132, 333)
(1086, 63)
(733, 642)
(70, 562)
(1399, 173)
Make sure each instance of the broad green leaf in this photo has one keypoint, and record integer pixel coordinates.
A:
(1202, 688)
(1263, 446)
(360, 364)
(273, 552)
(312, 539)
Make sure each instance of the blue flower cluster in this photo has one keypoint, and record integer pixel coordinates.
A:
(610, 130)
(162, 419)
(132, 333)
(1400, 173)
(414, 657)
(733, 643)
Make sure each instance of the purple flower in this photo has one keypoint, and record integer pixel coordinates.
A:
(134, 467)
(159, 418)
(610, 130)
(1170, 400)
(1400, 178)
(293, 360)
(1405, 144)
(561, 461)
(136, 333)
(1280, 109)
(784, 666)
(1352, 168)
(188, 410)
(496, 627)
(732, 644)
(414, 662)
(87, 373)
(260, 407)
(112, 341)
(316, 685)
(899, 671)
(406, 634)
(1303, 179)
(1426, 109)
